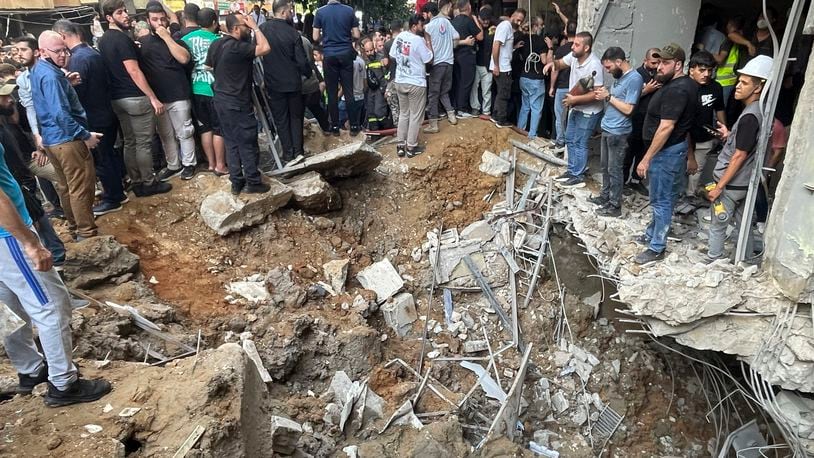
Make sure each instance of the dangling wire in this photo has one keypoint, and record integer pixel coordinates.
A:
(533, 59)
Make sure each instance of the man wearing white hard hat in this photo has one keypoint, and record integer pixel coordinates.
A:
(737, 158)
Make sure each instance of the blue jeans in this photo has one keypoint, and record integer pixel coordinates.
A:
(665, 169)
(533, 102)
(580, 128)
(559, 115)
(51, 240)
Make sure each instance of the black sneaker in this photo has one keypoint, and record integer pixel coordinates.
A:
(57, 213)
(188, 172)
(640, 188)
(610, 210)
(642, 240)
(335, 131)
(138, 190)
(564, 177)
(156, 188)
(598, 200)
(573, 182)
(501, 124)
(166, 174)
(81, 390)
(259, 188)
(647, 256)
(414, 151)
(106, 207)
(26, 383)
(354, 131)
(401, 149)
(237, 188)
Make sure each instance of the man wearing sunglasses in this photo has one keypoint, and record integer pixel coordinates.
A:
(65, 135)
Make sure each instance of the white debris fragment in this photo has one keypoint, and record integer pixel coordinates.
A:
(93, 429)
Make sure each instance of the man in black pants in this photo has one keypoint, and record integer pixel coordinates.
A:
(284, 68)
(501, 65)
(636, 146)
(463, 71)
(335, 24)
(231, 59)
(313, 87)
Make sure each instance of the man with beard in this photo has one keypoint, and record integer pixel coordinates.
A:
(501, 65)
(164, 63)
(134, 101)
(711, 111)
(636, 146)
(480, 99)
(65, 136)
(284, 68)
(669, 118)
(231, 59)
(616, 126)
(584, 109)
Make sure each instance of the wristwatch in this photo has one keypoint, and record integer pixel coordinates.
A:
(607, 99)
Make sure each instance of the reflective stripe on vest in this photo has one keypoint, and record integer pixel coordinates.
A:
(726, 72)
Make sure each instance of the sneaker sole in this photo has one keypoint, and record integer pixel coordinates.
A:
(562, 180)
(166, 179)
(107, 211)
(187, 178)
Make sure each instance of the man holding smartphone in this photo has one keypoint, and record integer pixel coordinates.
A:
(65, 135)
(711, 111)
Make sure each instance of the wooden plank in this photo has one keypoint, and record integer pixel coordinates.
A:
(251, 351)
(192, 439)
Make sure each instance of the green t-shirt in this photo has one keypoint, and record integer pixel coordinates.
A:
(198, 43)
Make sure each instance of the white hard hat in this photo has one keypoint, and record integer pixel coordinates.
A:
(759, 67)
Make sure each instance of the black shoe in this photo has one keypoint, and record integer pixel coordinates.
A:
(188, 172)
(57, 213)
(564, 177)
(573, 182)
(642, 240)
(26, 383)
(157, 188)
(138, 190)
(598, 200)
(647, 256)
(401, 150)
(237, 188)
(354, 131)
(414, 151)
(81, 390)
(610, 210)
(260, 188)
(166, 174)
(640, 188)
(335, 131)
(106, 207)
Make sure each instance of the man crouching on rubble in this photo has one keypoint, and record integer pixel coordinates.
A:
(32, 289)
(737, 157)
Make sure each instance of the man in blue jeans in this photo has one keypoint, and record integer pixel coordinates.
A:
(620, 102)
(669, 118)
(532, 79)
(336, 25)
(585, 110)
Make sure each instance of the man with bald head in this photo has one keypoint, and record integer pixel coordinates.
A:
(65, 134)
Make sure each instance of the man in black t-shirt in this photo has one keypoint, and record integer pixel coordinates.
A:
(482, 84)
(558, 87)
(636, 146)
(231, 59)
(711, 111)
(463, 70)
(134, 101)
(532, 79)
(669, 118)
(163, 61)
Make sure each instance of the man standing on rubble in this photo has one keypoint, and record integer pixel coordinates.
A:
(670, 116)
(711, 111)
(32, 289)
(616, 127)
(231, 59)
(636, 146)
(736, 161)
(501, 65)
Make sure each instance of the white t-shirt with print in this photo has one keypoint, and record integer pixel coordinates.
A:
(411, 54)
(443, 36)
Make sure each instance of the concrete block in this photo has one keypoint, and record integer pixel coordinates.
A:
(474, 346)
(336, 272)
(382, 278)
(225, 213)
(313, 194)
(400, 313)
(343, 162)
(494, 165)
(285, 434)
(479, 230)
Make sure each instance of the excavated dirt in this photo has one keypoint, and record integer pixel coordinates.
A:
(303, 342)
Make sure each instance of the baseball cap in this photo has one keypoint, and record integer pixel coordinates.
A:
(671, 52)
(8, 87)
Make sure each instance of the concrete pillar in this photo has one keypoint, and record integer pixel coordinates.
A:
(789, 240)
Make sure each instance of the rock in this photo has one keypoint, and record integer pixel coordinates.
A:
(225, 213)
(400, 313)
(479, 230)
(343, 162)
(53, 443)
(561, 358)
(474, 346)
(559, 403)
(332, 413)
(336, 272)
(313, 194)
(252, 291)
(157, 313)
(285, 434)
(416, 254)
(96, 260)
(283, 289)
(580, 415)
(323, 223)
(494, 165)
(543, 437)
(382, 278)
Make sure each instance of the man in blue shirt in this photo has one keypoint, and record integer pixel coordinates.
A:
(32, 289)
(65, 134)
(335, 23)
(616, 127)
(94, 95)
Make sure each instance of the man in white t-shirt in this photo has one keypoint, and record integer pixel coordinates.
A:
(501, 65)
(585, 110)
(411, 53)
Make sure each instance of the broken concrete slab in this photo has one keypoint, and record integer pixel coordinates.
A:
(400, 313)
(96, 260)
(475, 346)
(284, 291)
(343, 162)
(382, 278)
(336, 273)
(494, 165)
(252, 291)
(285, 434)
(479, 230)
(313, 194)
(225, 213)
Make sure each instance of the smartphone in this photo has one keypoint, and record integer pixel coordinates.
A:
(711, 131)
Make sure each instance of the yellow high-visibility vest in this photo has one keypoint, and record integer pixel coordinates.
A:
(726, 72)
